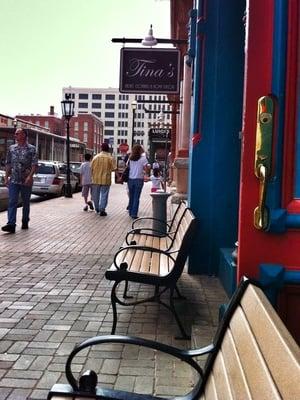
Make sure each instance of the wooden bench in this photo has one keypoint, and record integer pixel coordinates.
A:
(252, 356)
(151, 265)
(142, 233)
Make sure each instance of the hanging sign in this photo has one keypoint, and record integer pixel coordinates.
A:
(149, 70)
(159, 134)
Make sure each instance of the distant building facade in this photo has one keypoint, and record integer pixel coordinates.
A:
(115, 110)
(49, 145)
(86, 128)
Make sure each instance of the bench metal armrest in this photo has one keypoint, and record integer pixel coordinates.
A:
(143, 248)
(150, 219)
(146, 232)
(87, 383)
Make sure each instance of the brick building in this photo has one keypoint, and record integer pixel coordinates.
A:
(87, 128)
(50, 121)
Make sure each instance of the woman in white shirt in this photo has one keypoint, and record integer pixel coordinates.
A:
(138, 163)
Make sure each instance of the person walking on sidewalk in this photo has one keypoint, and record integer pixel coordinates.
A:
(102, 166)
(86, 181)
(138, 164)
(21, 164)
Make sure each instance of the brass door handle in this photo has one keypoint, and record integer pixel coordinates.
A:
(263, 158)
(261, 214)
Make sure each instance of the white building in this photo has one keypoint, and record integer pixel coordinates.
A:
(116, 112)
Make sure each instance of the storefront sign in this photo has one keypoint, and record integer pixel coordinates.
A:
(149, 70)
(159, 134)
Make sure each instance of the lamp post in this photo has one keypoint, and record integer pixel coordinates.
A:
(133, 107)
(161, 122)
(159, 199)
(67, 107)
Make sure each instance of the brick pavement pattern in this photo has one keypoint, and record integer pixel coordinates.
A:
(53, 294)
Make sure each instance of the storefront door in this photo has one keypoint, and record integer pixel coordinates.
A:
(269, 211)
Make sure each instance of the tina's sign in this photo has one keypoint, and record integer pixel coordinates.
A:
(149, 70)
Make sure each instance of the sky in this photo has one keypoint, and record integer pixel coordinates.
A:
(46, 45)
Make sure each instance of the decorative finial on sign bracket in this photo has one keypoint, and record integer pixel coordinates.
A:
(150, 39)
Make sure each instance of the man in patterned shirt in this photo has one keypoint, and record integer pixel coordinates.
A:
(21, 164)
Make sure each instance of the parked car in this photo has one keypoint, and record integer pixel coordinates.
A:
(75, 181)
(4, 193)
(51, 179)
(75, 168)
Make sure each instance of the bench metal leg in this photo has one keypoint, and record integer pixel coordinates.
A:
(179, 295)
(184, 336)
(125, 291)
(113, 298)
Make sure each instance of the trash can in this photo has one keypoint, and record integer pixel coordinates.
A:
(159, 210)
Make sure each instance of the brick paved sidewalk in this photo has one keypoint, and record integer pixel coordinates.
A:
(53, 294)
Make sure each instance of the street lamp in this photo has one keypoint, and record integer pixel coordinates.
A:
(67, 107)
(15, 123)
(133, 107)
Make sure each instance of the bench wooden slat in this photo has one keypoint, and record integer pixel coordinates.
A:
(136, 261)
(146, 262)
(234, 370)
(261, 384)
(210, 389)
(121, 257)
(165, 265)
(155, 260)
(184, 223)
(164, 243)
(128, 257)
(156, 242)
(275, 342)
(222, 384)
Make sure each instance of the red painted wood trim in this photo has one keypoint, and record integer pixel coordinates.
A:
(258, 83)
(290, 109)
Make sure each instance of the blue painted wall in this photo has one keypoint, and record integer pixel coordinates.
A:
(215, 160)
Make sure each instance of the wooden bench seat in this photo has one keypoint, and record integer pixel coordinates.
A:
(252, 356)
(146, 263)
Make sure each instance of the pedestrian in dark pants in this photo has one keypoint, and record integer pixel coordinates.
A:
(138, 164)
(21, 164)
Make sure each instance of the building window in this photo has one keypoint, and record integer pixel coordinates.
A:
(83, 96)
(46, 124)
(110, 106)
(98, 114)
(76, 126)
(109, 115)
(96, 105)
(85, 126)
(109, 123)
(108, 132)
(85, 137)
(109, 97)
(96, 96)
(83, 105)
